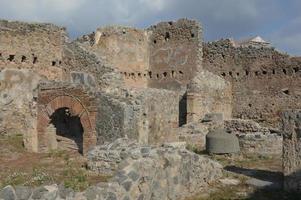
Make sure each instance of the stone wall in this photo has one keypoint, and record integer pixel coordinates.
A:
(291, 121)
(30, 52)
(120, 65)
(23, 45)
(124, 48)
(79, 59)
(166, 55)
(264, 81)
(147, 115)
(175, 53)
(254, 138)
(18, 93)
(208, 93)
(147, 172)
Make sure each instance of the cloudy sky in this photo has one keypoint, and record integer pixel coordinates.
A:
(278, 21)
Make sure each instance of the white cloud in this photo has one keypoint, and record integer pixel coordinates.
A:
(65, 6)
(156, 5)
(288, 38)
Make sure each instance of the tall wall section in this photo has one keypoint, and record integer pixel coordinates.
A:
(264, 81)
(164, 56)
(147, 115)
(29, 53)
(124, 48)
(175, 53)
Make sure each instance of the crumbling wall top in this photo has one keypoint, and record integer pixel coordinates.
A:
(31, 43)
(28, 27)
(181, 30)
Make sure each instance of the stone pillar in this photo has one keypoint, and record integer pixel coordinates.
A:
(291, 120)
(192, 107)
(208, 93)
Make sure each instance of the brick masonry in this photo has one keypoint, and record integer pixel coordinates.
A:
(54, 96)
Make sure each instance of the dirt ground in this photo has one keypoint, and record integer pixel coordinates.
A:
(18, 167)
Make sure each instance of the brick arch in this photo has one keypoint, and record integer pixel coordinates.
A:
(79, 103)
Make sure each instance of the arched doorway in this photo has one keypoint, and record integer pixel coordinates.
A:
(68, 130)
(66, 119)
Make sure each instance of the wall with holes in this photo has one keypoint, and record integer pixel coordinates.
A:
(175, 53)
(124, 48)
(29, 53)
(166, 55)
(33, 46)
(264, 80)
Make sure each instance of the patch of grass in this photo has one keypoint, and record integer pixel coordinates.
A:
(76, 179)
(247, 160)
(58, 154)
(195, 149)
(31, 169)
(35, 178)
(79, 178)
(14, 178)
(13, 142)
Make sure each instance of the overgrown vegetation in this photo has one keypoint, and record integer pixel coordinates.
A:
(194, 149)
(12, 143)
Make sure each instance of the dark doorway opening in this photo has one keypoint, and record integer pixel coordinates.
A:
(69, 130)
(183, 110)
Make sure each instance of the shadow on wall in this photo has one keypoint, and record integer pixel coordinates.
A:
(269, 184)
(69, 130)
(183, 110)
(247, 73)
(17, 59)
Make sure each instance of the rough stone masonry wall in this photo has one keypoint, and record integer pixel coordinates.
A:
(29, 53)
(124, 48)
(34, 46)
(18, 93)
(175, 53)
(146, 115)
(255, 139)
(208, 93)
(291, 121)
(88, 68)
(264, 81)
(166, 55)
(148, 172)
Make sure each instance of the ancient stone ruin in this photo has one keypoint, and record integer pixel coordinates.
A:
(291, 150)
(130, 100)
